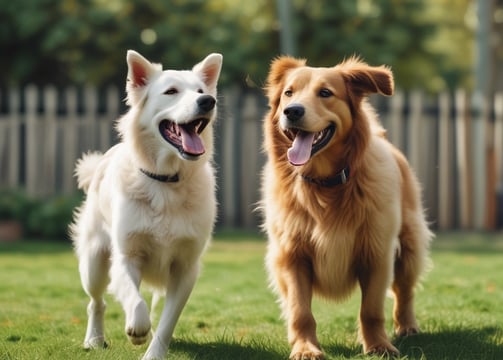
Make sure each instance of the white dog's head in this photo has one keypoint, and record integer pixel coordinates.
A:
(170, 110)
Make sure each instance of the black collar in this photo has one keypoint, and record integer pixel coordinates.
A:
(161, 178)
(340, 178)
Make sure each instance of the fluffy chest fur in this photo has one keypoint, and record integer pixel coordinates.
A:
(161, 227)
(158, 224)
(341, 228)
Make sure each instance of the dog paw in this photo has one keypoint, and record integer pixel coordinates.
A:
(138, 324)
(155, 351)
(385, 349)
(95, 343)
(406, 331)
(306, 351)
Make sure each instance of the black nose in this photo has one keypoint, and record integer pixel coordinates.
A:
(294, 112)
(205, 103)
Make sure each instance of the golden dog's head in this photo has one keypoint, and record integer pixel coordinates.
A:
(316, 111)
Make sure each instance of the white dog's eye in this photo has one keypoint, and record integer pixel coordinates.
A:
(200, 91)
(171, 91)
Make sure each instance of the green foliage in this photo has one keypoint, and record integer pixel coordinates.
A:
(233, 315)
(51, 217)
(14, 205)
(40, 218)
(428, 43)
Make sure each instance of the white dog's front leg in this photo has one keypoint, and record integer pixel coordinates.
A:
(177, 295)
(125, 285)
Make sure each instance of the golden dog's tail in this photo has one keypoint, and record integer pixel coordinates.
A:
(85, 169)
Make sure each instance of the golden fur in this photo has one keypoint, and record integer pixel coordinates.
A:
(370, 231)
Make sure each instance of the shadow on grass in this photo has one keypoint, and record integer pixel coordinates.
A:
(481, 343)
(342, 352)
(459, 344)
(224, 350)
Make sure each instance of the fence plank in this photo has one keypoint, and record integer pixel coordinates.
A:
(396, 120)
(498, 139)
(479, 151)
(32, 152)
(70, 140)
(463, 160)
(228, 166)
(250, 178)
(89, 121)
(4, 143)
(445, 178)
(14, 151)
(50, 140)
(108, 119)
(498, 152)
(414, 131)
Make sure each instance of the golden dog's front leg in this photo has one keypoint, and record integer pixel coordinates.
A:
(374, 282)
(296, 290)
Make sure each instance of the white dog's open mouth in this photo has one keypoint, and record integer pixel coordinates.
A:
(185, 137)
(306, 144)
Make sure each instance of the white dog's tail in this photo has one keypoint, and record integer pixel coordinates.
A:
(86, 166)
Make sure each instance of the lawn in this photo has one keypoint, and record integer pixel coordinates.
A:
(233, 315)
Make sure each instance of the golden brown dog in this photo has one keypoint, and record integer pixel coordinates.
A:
(342, 207)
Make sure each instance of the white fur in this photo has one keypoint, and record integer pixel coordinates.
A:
(133, 228)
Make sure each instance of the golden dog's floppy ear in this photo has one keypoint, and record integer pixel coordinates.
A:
(278, 70)
(140, 72)
(362, 79)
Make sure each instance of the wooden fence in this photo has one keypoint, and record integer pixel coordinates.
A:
(453, 141)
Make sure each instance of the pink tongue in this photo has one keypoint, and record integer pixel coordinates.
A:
(300, 152)
(191, 142)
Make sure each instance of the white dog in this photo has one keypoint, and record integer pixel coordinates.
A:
(150, 210)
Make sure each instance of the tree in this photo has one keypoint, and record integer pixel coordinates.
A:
(403, 34)
(85, 41)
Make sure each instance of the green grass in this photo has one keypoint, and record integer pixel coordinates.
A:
(233, 315)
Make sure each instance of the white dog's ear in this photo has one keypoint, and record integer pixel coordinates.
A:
(140, 72)
(209, 69)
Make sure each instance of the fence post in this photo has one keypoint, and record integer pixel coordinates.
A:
(90, 113)
(70, 140)
(498, 151)
(396, 119)
(14, 138)
(32, 148)
(463, 160)
(414, 132)
(111, 114)
(479, 168)
(445, 178)
(229, 171)
(250, 172)
(50, 140)
(4, 142)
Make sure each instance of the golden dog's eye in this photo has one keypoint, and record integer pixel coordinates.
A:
(288, 93)
(171, 91)
(325, 93)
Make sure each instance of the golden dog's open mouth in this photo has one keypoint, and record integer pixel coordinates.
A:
(305, 144)
(185, 137)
